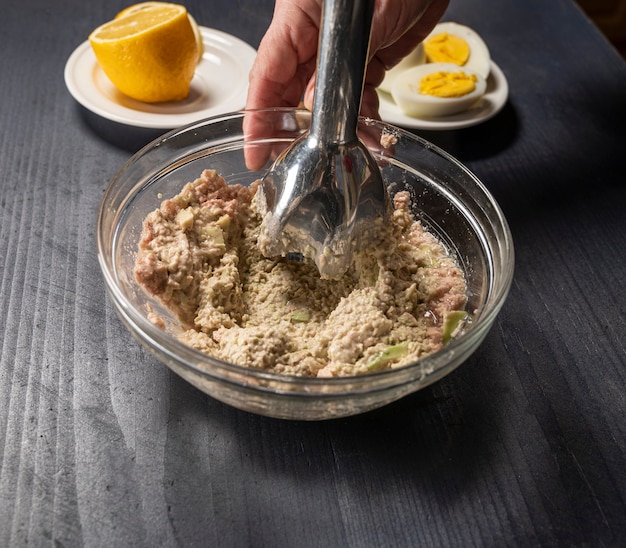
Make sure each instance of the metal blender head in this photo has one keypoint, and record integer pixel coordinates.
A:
(324, 196)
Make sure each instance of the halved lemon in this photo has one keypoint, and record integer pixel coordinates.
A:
(143, 5)
(149, 53)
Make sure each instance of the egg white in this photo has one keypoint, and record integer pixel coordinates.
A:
(405, 92)
(416, 57)
(479, 59)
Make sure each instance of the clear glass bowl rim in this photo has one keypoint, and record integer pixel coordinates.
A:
(175, 353)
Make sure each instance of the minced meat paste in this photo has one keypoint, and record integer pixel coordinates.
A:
(198, 255)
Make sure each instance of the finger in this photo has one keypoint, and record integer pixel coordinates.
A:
(285, 58)
(309, 93)
(375, 72)
(284, 63)
(373, 77)
(400, 32)
(369, 102)
(257, 127)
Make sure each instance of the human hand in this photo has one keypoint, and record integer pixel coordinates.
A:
(283, 73)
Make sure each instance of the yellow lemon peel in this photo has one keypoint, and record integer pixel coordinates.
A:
(143, 5)
(149, 54)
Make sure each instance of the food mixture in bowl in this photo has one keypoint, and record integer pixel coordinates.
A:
(401, 299)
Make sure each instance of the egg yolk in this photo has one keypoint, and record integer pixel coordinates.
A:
(447, 84)
(447, 48)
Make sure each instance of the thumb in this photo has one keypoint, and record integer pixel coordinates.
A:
(369, 100)
(309, 93)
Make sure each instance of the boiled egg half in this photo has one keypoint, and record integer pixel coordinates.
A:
(437, 89)
(454, 43)
(416, 57)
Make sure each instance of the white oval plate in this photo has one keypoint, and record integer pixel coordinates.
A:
(489, 105)
(219, 85)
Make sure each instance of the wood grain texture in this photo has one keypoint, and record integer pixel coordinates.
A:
(524, 445)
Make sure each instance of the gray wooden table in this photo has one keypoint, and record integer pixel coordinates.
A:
(524, 445)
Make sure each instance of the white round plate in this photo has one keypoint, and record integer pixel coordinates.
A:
(219, 85)
(489, 105)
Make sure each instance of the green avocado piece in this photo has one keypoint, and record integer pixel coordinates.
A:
(390, 353)
(451, 322)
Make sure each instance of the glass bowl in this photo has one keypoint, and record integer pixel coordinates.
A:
(449, 200)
